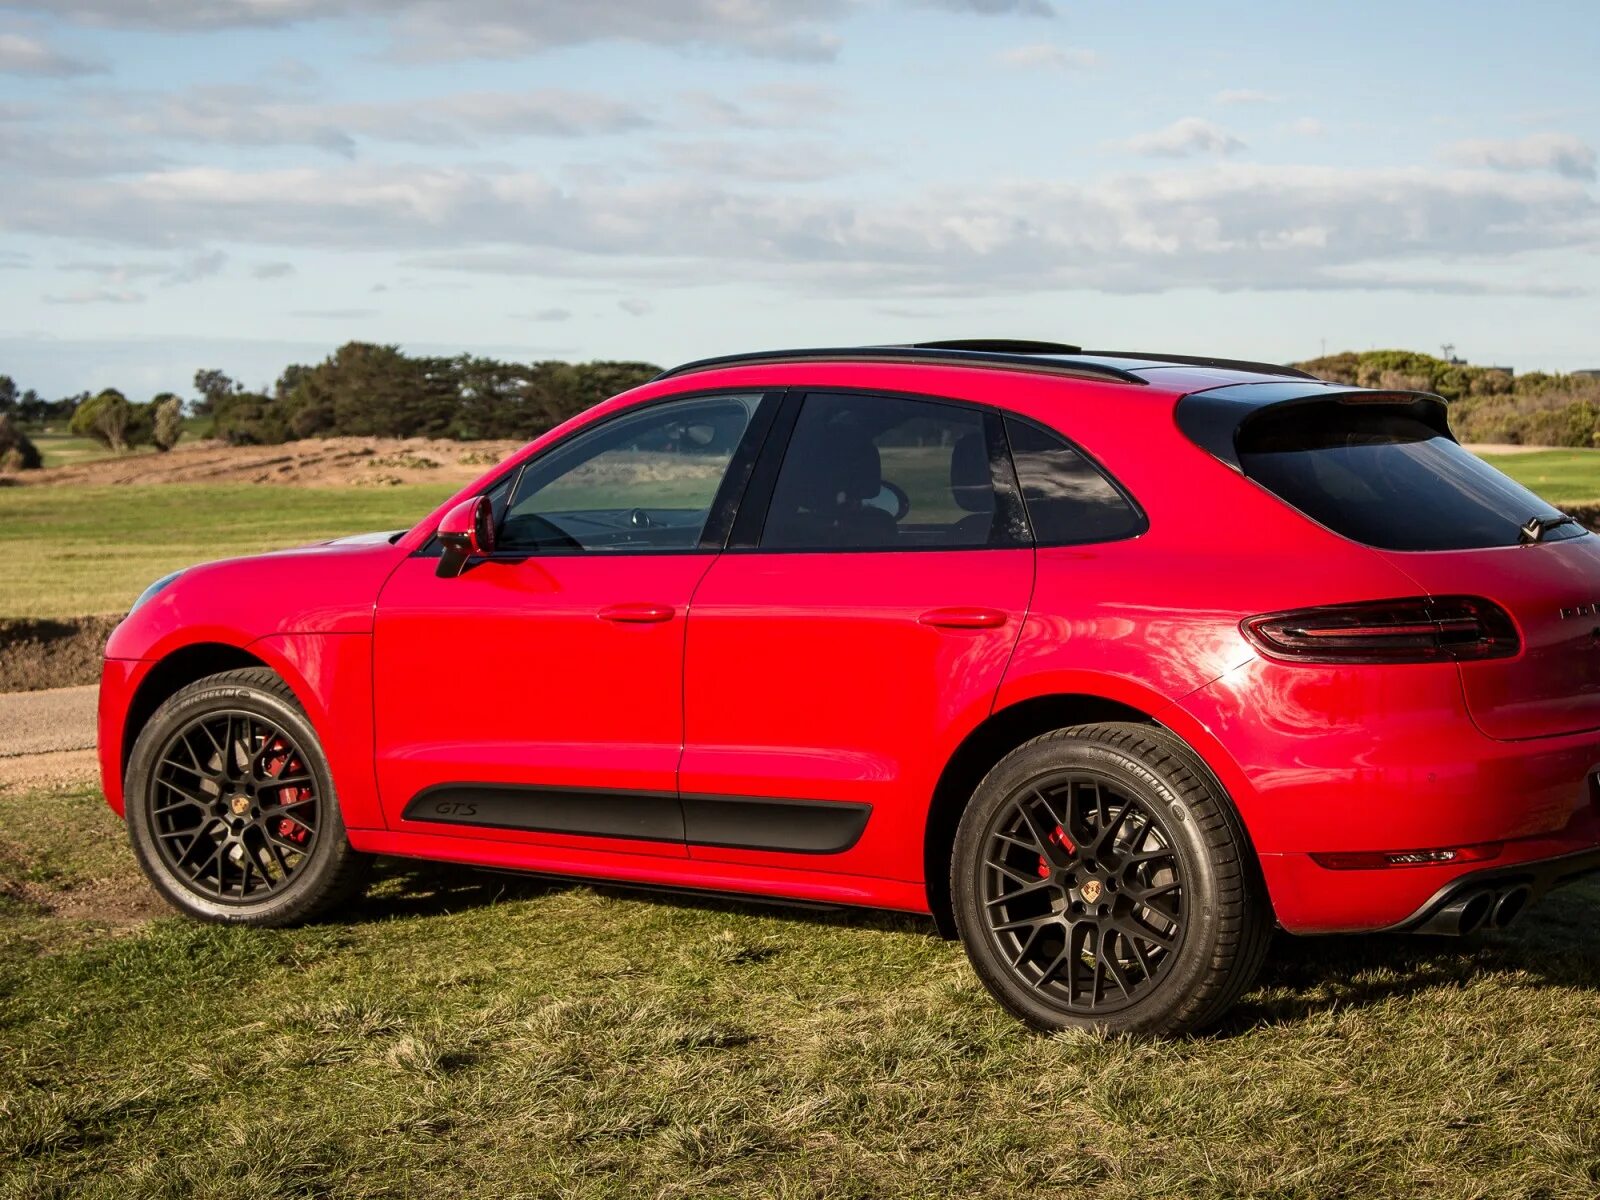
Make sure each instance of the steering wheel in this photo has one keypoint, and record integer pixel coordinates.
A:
(519, 531)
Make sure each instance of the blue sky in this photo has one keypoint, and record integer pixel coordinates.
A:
(244, 183)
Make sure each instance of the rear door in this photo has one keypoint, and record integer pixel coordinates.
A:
(856, 627)
(1454, 525)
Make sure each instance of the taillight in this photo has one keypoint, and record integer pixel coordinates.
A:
(1417, 630)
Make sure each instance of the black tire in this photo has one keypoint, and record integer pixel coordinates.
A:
(1145, 913)
(178, 796)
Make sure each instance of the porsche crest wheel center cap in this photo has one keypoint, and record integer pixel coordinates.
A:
(1091, 891)
(240, 805)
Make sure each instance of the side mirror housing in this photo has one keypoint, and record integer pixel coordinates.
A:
(466, 532)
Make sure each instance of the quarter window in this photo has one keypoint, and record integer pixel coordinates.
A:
(1069, 501)
(642, 482)
(887, 473)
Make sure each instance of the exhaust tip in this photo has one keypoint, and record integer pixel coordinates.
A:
(1509, 905)
(1475, 911)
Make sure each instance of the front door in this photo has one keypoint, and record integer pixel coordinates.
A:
(835, 660)
(538, 696)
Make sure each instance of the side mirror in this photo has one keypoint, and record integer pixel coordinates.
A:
(466, 532)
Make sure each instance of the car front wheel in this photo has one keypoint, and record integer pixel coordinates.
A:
(231, 809)
(1100, 881)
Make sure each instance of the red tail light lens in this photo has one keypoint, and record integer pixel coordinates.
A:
(1377, 860)
(1418, 630)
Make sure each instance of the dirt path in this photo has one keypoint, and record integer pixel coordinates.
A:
(47, 738)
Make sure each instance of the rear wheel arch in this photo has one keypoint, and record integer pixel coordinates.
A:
(1001, 733)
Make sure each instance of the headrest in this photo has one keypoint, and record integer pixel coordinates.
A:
(970, 480)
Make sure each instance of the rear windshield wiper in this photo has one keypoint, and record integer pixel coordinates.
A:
(1535, 529)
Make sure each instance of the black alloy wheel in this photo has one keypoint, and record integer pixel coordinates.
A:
(233, 806)
(1083, 892)
(1101, 879)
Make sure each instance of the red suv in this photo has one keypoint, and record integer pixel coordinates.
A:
(1110, 662)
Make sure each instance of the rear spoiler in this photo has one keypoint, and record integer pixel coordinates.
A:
(1213, 419)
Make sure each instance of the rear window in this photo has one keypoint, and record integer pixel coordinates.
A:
(1387, 478)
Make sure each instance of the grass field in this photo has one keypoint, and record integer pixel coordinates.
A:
(74, 551)
(64, 450)
(462, 1034)
(1560, 476)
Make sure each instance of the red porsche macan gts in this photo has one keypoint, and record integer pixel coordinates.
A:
(1110, 662)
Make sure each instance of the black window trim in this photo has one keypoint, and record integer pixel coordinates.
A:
(724, 505)
(1142, 526)
(756, 504)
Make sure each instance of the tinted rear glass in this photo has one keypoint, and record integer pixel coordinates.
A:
(1386, 478)
(1069, 501)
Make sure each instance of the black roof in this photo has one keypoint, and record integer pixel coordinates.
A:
(1121, 366)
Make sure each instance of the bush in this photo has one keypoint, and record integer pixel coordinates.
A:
(166, 421)
(110, 420)
(17, 451)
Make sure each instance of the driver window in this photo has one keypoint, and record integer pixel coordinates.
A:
(644, 481)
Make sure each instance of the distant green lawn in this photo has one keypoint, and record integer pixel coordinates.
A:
(1560, 476)
(461, 1034)
(65, 450)
(74, 551)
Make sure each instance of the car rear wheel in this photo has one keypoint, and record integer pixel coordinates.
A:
(1099, 881)
(231, 808)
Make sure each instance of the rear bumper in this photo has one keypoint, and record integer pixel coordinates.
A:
(1496, 896)
(1310, 898)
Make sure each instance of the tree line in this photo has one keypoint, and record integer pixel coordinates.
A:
(363, 389)
(360, 390)
(1486, 404)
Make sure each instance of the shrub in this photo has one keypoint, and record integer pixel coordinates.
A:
(166, 421)
(110, 420)
(17, 451)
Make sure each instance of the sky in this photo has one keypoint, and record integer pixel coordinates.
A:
(241, 184)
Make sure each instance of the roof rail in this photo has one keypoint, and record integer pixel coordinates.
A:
(1193, 360)
(1001, 346)
(1032, 361)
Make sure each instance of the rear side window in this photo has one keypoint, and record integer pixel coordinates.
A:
(1068, 500)
(1387, 478)
(868, 472)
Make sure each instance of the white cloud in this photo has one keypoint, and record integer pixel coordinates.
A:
(1306, 127)
(788, 162)
(992, 8)
(272, 270)
(1561, 153)
(247, 115)
(549, 314)
(20, 55)
(1048, 56)
(1186, 136)
(96, 296)
(1226, 226)
(634, 306)
(1244, 96)
(454, 29)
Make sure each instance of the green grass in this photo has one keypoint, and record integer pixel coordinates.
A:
(1560, 476)
(65, 450)
(463, 1034)
(74, 551)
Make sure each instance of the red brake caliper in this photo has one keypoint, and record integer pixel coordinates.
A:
(280, 760)
(1059, 837)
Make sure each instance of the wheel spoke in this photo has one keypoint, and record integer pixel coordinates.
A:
(242, 745)
(1118, 929)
